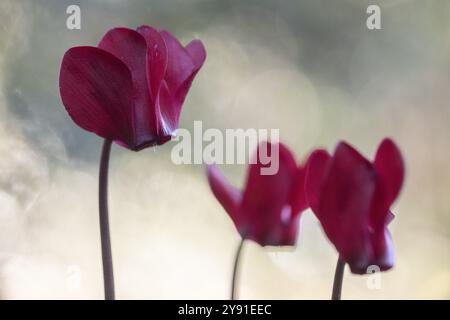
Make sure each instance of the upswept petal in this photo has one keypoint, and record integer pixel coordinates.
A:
(130, 46)
(228, 195)
(156, 58)
(391, 168)
(180, 65)
(316, 170)
(96, 89)
(345, 203)
(390, 174)
(197, 52)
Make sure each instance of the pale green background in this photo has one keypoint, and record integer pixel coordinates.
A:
(310, 68)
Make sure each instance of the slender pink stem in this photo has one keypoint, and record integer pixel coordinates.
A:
(235, 270)
(338, 278)
(108, 275)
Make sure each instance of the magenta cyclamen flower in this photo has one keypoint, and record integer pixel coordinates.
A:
(351, 197)
(130, 89)
(267, 211)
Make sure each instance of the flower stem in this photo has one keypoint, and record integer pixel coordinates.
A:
(108, 276)
(235, 270)
(338, 277)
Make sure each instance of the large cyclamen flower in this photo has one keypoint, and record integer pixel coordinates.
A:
(130, 89)
(268, 210)
(351, 197)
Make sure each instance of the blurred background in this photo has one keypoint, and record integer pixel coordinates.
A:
(310, 68)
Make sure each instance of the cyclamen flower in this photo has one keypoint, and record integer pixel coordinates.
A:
(351, 197)
(131, 88)
(267, 211)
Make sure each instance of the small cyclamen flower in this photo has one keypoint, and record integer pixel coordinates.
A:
(351, 197)
(267, 211)
(130, 89)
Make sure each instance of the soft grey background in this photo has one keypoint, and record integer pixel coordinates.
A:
(309, 68)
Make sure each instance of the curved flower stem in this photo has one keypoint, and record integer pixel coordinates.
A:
(235, 270)
(108, 276)
(338, 277)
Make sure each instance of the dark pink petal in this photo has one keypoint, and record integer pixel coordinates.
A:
(167, 106)
(390, 173)
(228, 196)
(391, 168)
(156, 58)
(345, 204)
(197, 53)
(316, 170)
(131, 47)
(96, 89)
(265, 204)
(180, 65)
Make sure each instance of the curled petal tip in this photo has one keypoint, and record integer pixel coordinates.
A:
(390, 166)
